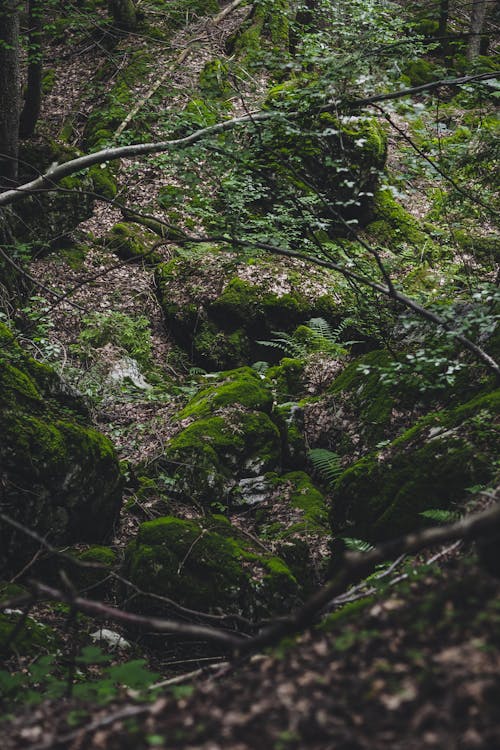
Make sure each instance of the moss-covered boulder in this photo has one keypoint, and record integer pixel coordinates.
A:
(266, 29)
(430, 466)
(58, 476)
(131, 242)
(92, 569)
(44, 220)
(232, 437)
(392, 225)
(208, 567)
(219, 307)
(328, 163)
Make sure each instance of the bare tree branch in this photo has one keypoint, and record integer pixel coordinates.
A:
(129, 619)
(357, 565)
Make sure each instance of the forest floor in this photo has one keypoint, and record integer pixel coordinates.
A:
(416, 665)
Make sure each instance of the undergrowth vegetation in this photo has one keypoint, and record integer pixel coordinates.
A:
(287, 326)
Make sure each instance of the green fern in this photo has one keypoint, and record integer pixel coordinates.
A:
(260, 367)
(357, 545)
(326, 463)
(287, 344)
(440, 516)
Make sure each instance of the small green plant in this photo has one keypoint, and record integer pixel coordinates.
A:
(94, 678)
(439, 515)
(326, 463)
(317, 335)
(133, 335)
(357, 545)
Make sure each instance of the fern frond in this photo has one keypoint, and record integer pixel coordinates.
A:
(440, 515)
(326, 463)
(357, 545)
(286, 343)
(260, 367)
(323, 328)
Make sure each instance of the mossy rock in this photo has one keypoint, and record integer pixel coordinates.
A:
(131, 242)
(295, 521)
(326, 155)
(206, 567)
(94, 579)
(430, 466)
(392, 225)
(242, 386)
(213, 80)
(219, 307)
(103, 180)
(232, 437)
(287, 378)
(104, 120)
(60, 477)
(211, 454)
(266, 30)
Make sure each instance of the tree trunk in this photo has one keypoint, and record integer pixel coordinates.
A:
(33, 95)
(123, 13)
(10, 95)
(477, 19)
(444, 9)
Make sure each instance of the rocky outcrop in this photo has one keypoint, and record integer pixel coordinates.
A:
(58, 475)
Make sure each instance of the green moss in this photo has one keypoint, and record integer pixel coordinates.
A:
(57, 473)
(48, 80)
(242, 386)
(251, 305)
(103, 122)
(13, 379)
(214, 348)
(392, 223)
(287, 378)
(268, 28)
(324, 147)
(195, 567)
(104, 183)
(483, 247)
(308, 498)
(209, 567)
(97, 579)
(372, 400)
(131, 242)
(430, 466)
(74, 255)
(214, 450)
(213, 79)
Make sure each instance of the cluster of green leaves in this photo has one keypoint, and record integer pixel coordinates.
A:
(94, 678)
(132, 334)
(317, 335)
(431, 361)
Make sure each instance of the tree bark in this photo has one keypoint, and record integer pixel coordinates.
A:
(444, 9)
(33, 94)
(123, 14)
(10, 83)
(477, 19)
